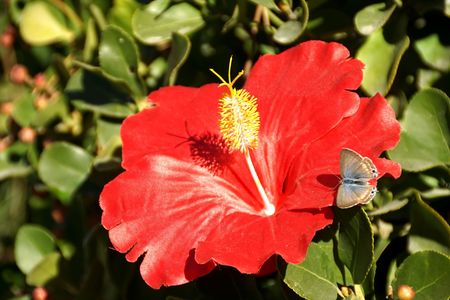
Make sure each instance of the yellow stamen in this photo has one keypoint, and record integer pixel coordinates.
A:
(239, 116)
(239, 124)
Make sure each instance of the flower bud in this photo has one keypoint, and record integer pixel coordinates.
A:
(4, 143)
(6, 108)
(27, 135)
(7, 39)
(40, 293)
(41, 102)
(18, 74)
(405, 292)
(39, 81)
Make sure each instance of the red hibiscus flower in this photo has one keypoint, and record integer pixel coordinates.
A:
(210, 181)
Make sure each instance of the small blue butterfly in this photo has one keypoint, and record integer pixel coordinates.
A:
(356, 172)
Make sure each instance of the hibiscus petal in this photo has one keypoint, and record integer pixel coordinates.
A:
(372, 130)
(246, 242)
(303, 93)
(162, 207)
(180, 113)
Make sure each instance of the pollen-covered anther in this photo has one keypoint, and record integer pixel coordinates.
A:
(239, 119)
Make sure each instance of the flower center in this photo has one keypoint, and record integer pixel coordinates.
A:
(239, 124)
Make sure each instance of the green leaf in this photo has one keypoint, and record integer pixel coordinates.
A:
(425, 138)
(108, 140)
(40, 26)
(330, 22)
(428, 273)
(92, 92)
(122, 12)
(181, 46)
(288, 32)
(119, 57)
(63, 167)
(151, 26)
(10, 169)
(429, 231)
(33, 243)
(56, 108)
(46, 270)
(433, 53)
(381, 60)
(317, 276)
(425, 78)
(24, 111)
(355, 245)
(373, 17)
(13, 206)
(270, 4)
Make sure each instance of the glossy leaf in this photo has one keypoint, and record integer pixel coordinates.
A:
(152, 26)
(92, 92)
(181, 47)
(63, 167)
(373, 17)
(381, 59)
(39, 25)
(433, 52)
(118, 55)
(317, 276)
(425, 138)
(428, 273)
(33, 243)
(355, 245)
(288, 32)
(429, 231)
(47, 269)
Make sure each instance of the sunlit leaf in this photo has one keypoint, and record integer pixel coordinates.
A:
(373, 17)
(433, 52)
(425, 137)
(381, 58)
(33, 243)
(317, 276)
(39, 25)
(47, 269)
(153, 27)
(429, 231)
(288, 32)
(63, 167)
(428, 273)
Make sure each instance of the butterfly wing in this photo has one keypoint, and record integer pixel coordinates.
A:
(354, 166)
(349, 195)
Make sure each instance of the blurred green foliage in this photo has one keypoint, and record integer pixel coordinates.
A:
(71, 71)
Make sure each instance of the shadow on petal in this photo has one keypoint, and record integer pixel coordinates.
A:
(329, 180)
(208, 150)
